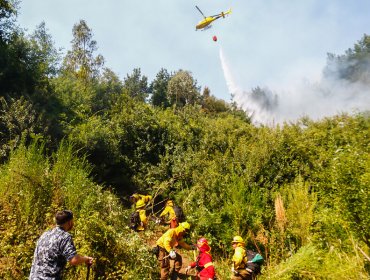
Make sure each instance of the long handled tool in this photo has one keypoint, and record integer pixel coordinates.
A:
(88, 271)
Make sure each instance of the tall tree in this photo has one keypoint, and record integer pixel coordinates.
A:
(108, 89)
(212, 104)
(18, 119)
(352, 66)
(159, 89)
(46, 54)
(15, 59)
(8, 12)
(137, 85)
(23, 65)
(81, 59)
(183, 89)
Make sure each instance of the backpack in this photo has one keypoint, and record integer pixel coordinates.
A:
(134, 220)
(254, 261)
(180, 216)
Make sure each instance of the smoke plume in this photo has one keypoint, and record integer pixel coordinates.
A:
(327, 97)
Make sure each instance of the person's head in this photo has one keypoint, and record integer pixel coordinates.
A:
(135, 197)
(202, 245)
(64, 219)
(169, 203)
(184, 227)
(237, 241)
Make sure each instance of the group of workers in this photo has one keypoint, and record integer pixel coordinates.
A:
(55, 248)
(142, 202)
(173, 238)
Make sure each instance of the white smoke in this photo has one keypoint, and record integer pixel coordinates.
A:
(324, 98)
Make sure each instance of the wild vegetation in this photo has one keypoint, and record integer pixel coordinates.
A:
(74, 135)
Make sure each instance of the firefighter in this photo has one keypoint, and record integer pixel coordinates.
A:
(169, 214)
(203, 263)
(167, 243)
(140, 197)
(238, 269)
(140, 208)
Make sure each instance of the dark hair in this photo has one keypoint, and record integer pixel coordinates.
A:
(61, 217)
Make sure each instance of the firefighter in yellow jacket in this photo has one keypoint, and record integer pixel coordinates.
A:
(238, 269)
(169, 214)
(140, 197)
(167, 244)
(140, 208)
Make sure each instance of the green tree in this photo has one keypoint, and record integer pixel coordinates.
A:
(212, 104)
(159, 89)
(46, 55)
(8, 12)
(26, 65)
(18, 119)
(353, 65)
(77, 85)
(352, 185)
(17, 67)
(137, 85)
(108, 90)
(81, 59)
(183, 89)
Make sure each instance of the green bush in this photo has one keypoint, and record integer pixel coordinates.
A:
(33, 187)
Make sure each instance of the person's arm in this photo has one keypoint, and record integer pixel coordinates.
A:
(193, 264)
(184, 245)
(78, 259)
(165, 211)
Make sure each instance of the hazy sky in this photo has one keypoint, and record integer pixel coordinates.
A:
(265, 42)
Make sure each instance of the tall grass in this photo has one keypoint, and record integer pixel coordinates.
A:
(311, 262)
(34, 186)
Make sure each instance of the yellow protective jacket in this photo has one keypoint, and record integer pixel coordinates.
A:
(172, 238)
(143, 219)
(168, 210)
(145, 198)
(239, 257)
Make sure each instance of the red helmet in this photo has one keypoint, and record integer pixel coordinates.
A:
(202, 245)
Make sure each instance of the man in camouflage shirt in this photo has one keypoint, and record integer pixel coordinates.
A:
(54, 249)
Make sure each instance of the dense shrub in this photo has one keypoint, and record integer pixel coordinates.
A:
(33, 187)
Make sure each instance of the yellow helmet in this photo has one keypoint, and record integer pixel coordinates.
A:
(140, 204)
(237, 239)
(185, 225)
(169, 203)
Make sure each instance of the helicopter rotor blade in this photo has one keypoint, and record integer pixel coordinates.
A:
(200, 11)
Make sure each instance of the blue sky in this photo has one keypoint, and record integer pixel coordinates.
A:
(265, 43)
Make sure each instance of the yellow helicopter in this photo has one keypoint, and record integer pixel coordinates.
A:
(206, 22)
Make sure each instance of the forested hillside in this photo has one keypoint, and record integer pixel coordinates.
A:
(74, 135)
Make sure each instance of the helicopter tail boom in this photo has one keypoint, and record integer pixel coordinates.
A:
(226, 13)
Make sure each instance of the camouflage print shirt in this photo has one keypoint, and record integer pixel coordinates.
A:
(53, 249)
